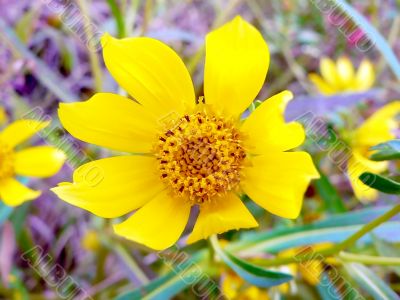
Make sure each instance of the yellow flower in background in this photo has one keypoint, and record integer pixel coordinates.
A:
(38, 161)
(312, 270)
(340, 77)
(378, 128)
(233, 287)
(187, 152)
(90, 241)
(3, 116)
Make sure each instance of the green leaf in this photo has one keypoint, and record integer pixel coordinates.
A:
(306, 236)
(387, 249)
(251, 273)
(333, 202)
(326, 289)
(25, 25)
(276, 239)
(119, 20)
(183, 275)
(371, 283)
(50, 79)
(375, 37)
(380, 183)
(254, 105)
(386, 151)
(164, 287)
(5, 212)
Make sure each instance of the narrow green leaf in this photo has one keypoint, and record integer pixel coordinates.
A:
(369, 282)
(345, 219)
(53, 81)
(380, 183)
(386, 151)
(326, 289)
(164, 287)
(5, 212)
(119, 19)
(25, 25)
(385, 248)
(333, 202)
(308, 236)
(187, 273)
(251, 273)
(376, 38)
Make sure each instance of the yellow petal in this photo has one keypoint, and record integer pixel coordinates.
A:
(379, 127)
(278, 181)
(221, 215)
(41, 161)
(329, 72)
(21, 130)
(91, 241)
(266, 129)
(158, 224)
(231, 285)
(112, 187)
(365, 76)
(357, 165)
(254, 293)
(151, 72)
(322, 86)
(111, 121)
(3, 116)
(312, 271)
(14, 193)
(345, 71)
(237, 60)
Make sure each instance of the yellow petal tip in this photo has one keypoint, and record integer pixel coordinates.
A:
(106, 38)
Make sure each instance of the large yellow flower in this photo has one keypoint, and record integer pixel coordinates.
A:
(340, 77)
(379, 128)
(39, 161)
(193, 153)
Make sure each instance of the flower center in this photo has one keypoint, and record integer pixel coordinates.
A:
(6, 161)
(200, 156)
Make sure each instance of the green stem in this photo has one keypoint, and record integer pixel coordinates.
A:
(350, 241)
(369, 260)
(93, 58)
(148, 10)
(367, 228)
(193, 63)
(130, 262)
(119, 18)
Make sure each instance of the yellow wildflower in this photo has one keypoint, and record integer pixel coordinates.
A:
(3, 116)
(378, 128)
(39, 161)
(311, 270)
(340, 77)
(235, 288)
(193, 152)
(90, 241)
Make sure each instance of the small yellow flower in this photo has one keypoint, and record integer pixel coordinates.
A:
(340, 77)
(194, 152)
(235, 288)
(39, 161)
(312, 270)
(3, 116)
(91, 241)
(378, 128)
